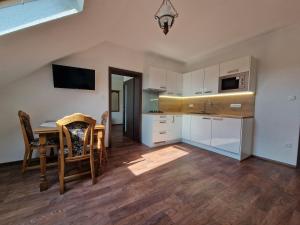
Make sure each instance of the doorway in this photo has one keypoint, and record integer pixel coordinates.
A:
(298, 159)
(125, 105)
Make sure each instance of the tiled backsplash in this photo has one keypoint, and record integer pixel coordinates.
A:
(215, 105)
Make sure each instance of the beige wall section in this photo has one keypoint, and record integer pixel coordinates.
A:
(277, 119)
(36, 95)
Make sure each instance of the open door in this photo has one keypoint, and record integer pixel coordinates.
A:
(128, 118)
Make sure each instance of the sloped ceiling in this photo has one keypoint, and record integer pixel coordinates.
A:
(203, 26)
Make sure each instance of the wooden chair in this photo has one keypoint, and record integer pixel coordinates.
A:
(104, 118)
(103, 152)
(78, 129)
(30, 142)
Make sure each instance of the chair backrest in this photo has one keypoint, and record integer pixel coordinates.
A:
(104, 118)
(26, 127)
(78, 129)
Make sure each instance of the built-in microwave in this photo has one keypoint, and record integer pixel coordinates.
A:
(234, 82)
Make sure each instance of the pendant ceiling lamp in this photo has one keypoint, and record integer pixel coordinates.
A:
(166, 15)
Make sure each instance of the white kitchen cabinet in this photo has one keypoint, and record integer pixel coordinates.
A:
(187, 84)
(211, 80)
(179, 84)
(201, 129)
(235, 66)
(174, 128)
(174, 83)
(171, 83)
(155, 78)
(226, 134)
(186, 127)
(160, 129)
(197, 82)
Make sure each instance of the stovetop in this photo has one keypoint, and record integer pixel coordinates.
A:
(155, 111)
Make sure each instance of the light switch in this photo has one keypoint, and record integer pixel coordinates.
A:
(292, 98)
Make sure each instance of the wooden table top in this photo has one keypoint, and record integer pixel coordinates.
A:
(51, 129)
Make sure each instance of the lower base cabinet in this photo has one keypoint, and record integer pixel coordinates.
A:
(161, 129)
(201, 129)
(228, 136)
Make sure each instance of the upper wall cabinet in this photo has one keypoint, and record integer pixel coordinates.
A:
(156, 79)
(211, 80)
(163, 80)
(187, 84)
(179, 84)
(174, 83)
(235, 66)
(197, 82)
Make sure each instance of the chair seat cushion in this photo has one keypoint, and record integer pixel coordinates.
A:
(50, 141)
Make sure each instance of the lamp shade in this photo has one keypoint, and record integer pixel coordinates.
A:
(166, 15)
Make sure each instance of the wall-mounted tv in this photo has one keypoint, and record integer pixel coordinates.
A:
(73, 78)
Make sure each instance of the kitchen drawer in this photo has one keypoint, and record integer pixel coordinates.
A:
(160, 136)
(160, 117)
(160, 125)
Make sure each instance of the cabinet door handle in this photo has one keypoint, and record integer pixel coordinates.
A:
(163, 122)
(198, 92)
(164, 132)
(162, 116)
(206, 118)
(233, 71)
(163, 87)
(217, 118)
(207, 92)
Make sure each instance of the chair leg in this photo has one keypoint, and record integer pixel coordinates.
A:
(92, 165)
(24, 165)
(30, 157)
(100, 155)
(61, 175)
(103, 149)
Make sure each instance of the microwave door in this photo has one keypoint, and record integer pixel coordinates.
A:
(231, 83)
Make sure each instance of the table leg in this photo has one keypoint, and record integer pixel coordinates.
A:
(100, 150)
(103, 146)
(42, 151)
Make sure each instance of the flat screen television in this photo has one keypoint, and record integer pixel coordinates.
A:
(73, 78)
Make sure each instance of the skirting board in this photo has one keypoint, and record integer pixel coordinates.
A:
(275, 162)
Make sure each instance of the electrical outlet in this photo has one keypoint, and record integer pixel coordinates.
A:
(235, 105)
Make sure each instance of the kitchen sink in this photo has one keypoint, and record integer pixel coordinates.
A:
(204, 113)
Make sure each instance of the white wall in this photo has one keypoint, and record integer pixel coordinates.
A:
(276, 119)
(35, 93)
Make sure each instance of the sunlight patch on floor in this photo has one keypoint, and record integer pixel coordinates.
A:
(156, 159)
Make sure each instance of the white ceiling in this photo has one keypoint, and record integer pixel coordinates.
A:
(203, 26)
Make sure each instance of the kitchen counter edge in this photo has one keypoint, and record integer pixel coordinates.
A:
(200, 114)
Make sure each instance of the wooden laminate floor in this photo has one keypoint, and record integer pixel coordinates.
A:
(118, 139)
(178, 184)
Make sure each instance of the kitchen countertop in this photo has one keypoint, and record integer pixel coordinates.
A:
(201, 114)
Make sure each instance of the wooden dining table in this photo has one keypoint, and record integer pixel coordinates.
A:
(48, 129)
